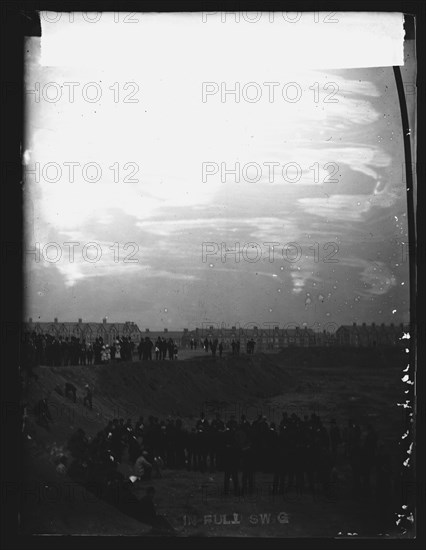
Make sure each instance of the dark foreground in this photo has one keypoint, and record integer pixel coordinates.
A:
(191, 494)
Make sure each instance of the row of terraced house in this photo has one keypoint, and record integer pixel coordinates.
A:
(355, 335)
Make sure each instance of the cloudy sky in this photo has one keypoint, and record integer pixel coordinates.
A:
(161, 195)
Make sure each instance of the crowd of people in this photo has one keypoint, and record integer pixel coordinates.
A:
(301, 454)
(215, 345)
(45, 349)
(162, 348)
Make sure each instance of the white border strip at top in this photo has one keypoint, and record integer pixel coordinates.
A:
(298, 39)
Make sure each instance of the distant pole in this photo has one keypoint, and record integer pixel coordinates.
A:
(410, 201)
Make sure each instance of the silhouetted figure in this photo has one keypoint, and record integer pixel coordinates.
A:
(213, 346)
(250, 346)
(70, 389)
(90, 354)
(170, 348)
(43, 414)
(140, 350)
(163, 349)
(148, 348)
(157, 349)
(87, 400)
(143, 468)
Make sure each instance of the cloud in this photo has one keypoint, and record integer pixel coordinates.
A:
(260, 227)
(74, 273)
(375, 276)
(337, 207)
(169, 212)
(302, 274)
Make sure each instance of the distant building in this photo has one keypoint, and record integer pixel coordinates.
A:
(325, 339)
(370, 335)
(265, 339)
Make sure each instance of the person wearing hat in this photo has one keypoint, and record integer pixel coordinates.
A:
(143, 468)
(117, 350)
(157, 348)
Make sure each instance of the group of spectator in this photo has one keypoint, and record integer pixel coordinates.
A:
(162, 349)
(213, 346)
(193, 343)
(45, 349)
(95, 466)
(299, 453)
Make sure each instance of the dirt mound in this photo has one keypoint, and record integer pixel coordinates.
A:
(161, 388)
(336, 383)
(123, 390)
(378, 357)
(53, 503)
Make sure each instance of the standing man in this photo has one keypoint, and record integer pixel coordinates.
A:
(71, 389)
(43, 413)
(140, 349)
(148, 348)
(170, 347)
(163, 348)
(157, 348)
(87, 400)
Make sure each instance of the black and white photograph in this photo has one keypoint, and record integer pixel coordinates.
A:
(218, 336)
